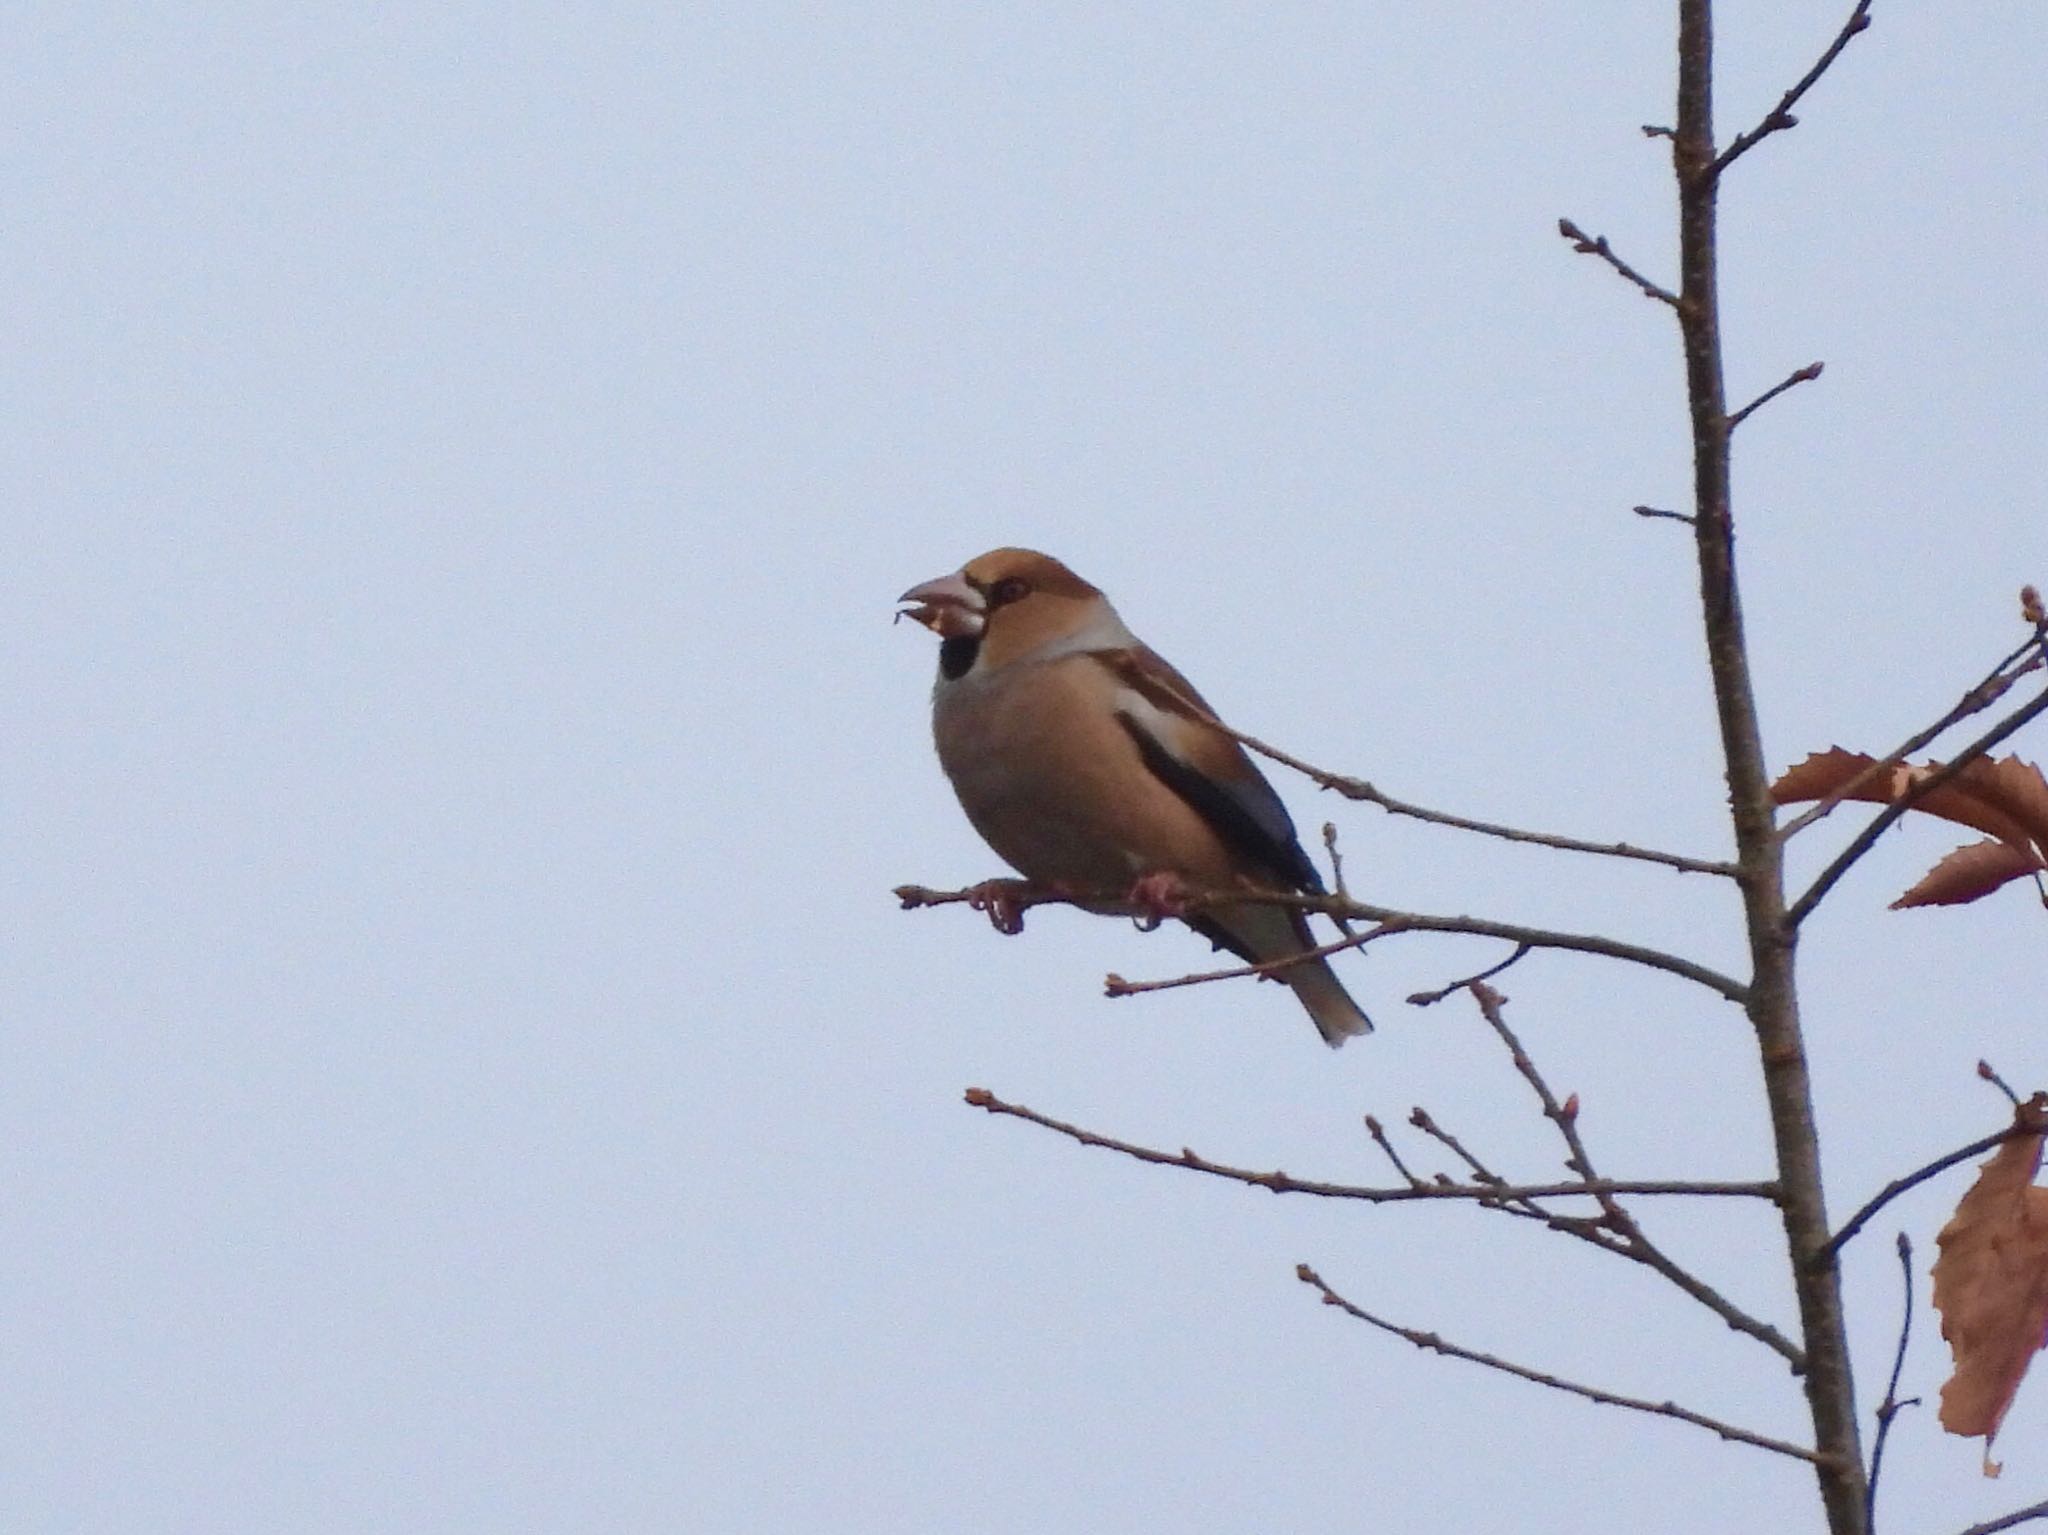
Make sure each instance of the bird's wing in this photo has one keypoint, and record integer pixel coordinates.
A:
(1174, 730)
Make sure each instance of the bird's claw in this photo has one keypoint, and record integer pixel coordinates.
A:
(1002, 901)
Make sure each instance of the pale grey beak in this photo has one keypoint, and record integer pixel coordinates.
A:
(949, 607)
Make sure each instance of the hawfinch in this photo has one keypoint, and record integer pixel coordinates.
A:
(1089, 765)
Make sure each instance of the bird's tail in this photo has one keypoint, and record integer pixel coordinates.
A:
(1270, 933)
(1336, 1016)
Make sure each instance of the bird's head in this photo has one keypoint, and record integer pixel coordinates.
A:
(1004, 605)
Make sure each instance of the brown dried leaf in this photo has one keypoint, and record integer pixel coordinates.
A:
(1970, 872)
(1991, 1282)
(2024, 791)
(1822, 774)
(2006, 799)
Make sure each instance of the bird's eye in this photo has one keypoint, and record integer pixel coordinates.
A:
(1009, 589)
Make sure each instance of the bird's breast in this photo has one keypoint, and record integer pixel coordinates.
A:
(1056, 786)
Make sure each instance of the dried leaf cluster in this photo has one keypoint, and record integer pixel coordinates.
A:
(2007, 799)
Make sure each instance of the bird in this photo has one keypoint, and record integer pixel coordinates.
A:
(1090, 765)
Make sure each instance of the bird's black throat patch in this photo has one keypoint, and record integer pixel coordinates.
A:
(957, 654)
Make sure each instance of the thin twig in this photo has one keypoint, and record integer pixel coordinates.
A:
(2017, 1517)
(1632, 1241)
(1114, 985)
(1989, 1073)
(1359, 789)
(1834, 1244)
(1891, 1406)
(1492, 1007)
(1780, 117)
(1660, 511)
(1509, 1199)
(1520, 1204)
(1417, 1190)
(1482, 1175)
(1379, 1135)
(1439, 1345)
(1916, 792)
(1337, 876)
(1588, 245)
(1431, 998)
(1592, 1229)
(1336, 860)
(1521, 1200)
(1805, 375)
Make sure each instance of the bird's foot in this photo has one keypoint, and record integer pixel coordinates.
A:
(1003, 902)
(1159, 895)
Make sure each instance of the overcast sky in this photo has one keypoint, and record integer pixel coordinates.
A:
(465, 1070)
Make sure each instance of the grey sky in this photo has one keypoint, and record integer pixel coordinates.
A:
(466, 1073)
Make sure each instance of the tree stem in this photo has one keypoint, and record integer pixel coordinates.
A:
(1773, 999)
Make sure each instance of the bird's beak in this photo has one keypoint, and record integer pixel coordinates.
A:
(949, 607)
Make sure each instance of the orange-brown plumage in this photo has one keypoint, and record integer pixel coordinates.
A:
(1087, 762)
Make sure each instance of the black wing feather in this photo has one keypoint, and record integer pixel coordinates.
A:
(1266, 841)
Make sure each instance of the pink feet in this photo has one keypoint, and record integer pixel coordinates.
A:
(1160, 895)
(1004, 901)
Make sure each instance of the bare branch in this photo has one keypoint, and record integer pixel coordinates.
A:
(1587, 245)
(1493, 1008)
(1891, 1406)
(1780, 117)
(912, 897)
(1439, 1345)
(2018, 1516)
(1359, 789)
(1918, 790)
(1485, 1177)
(1538, 938)
(1834, 1244)
(1416, 1190)
(1535, 937)
(1592, 1229)
(1632, 1242)
(1805, 375)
